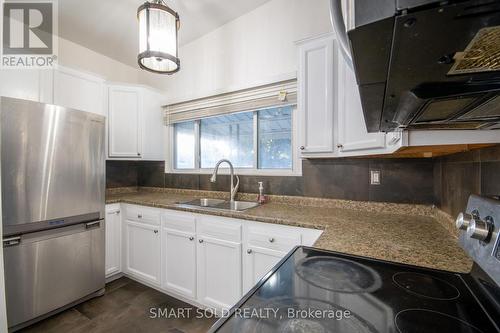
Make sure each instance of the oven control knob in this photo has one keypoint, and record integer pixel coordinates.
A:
(463, 221)
(479, 229)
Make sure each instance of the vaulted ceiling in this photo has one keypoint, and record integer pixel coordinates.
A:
(110, 26)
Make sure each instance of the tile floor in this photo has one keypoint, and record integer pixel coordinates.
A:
(125, 307)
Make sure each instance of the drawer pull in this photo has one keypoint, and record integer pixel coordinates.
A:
(156, 231)
(200, 240)
(191, 238)
(139, 216)
(271, 240)
(249, 251)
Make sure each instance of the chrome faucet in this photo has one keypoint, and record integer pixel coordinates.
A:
(234, 188)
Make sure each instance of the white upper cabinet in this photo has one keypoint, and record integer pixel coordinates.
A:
(135, 123)
(30, 84)
(316, 95)
(153, 125)
(77, 90)
(330, 106)
(124, 121)
(352, 135)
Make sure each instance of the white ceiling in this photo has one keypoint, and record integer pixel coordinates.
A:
(110, 26)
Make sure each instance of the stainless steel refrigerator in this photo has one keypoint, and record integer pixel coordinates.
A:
(52, 169)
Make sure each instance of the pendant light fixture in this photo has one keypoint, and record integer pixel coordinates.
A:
(158, 45)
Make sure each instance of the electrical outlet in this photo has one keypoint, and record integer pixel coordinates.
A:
(374, 177)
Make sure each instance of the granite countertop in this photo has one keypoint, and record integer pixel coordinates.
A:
(411, 234)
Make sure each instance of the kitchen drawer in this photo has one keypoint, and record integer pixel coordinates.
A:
(143, 214)
(276, 238)
(219, 228)
(179, 221)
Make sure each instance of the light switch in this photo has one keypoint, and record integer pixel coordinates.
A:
(375, 177)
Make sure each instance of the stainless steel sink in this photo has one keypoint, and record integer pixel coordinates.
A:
(204, 202)
(237, 205)
(219, 204)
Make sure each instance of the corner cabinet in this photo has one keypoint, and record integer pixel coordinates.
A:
(135, 123)
(332, 117)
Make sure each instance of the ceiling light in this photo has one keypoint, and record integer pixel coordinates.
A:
(158, 46)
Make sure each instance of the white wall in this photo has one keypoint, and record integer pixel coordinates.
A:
(81, 58)
(258, 47)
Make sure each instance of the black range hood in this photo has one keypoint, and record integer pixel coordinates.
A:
(427, 64)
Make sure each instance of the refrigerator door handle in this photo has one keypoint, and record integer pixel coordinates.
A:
(11, 241)
(95, 224)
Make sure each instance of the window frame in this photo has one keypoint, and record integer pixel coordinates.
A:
(296, 169)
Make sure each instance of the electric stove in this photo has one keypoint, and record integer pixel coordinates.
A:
(314, 290)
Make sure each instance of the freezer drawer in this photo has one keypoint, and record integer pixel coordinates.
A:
(49, 269)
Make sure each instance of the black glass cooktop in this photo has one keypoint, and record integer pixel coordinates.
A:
(327, 292)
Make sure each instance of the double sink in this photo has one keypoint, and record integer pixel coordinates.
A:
(219, 204)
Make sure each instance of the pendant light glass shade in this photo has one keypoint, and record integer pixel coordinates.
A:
(158, 47)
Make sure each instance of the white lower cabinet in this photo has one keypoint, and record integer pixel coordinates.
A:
(179, 254)
(142, 251)
(113, 240)
(206, 260)
(265, 246)
(219, 262)
(257, 262)
(219, 272)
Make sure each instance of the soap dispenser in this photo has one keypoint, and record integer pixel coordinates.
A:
(261, 199)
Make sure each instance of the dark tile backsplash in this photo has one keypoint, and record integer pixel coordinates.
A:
(135, 173)
(446, 181)
(121, 174)
(460, 175)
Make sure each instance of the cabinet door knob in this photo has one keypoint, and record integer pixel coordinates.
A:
(156, 231)
(340, 146)
(200, 240)
(302, 147)
(191, 238)
(139, 216)
(138, 154)
(249, 251)
(271, 240)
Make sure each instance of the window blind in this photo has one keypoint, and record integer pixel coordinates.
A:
(262, 97)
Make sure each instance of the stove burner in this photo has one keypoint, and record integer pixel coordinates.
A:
(428, 321)
(426, 286)
(338, 274)
(301, 321)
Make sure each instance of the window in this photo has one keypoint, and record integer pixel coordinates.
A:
(275, 138)
(185, 145)
(227, 136)
(255, 140)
